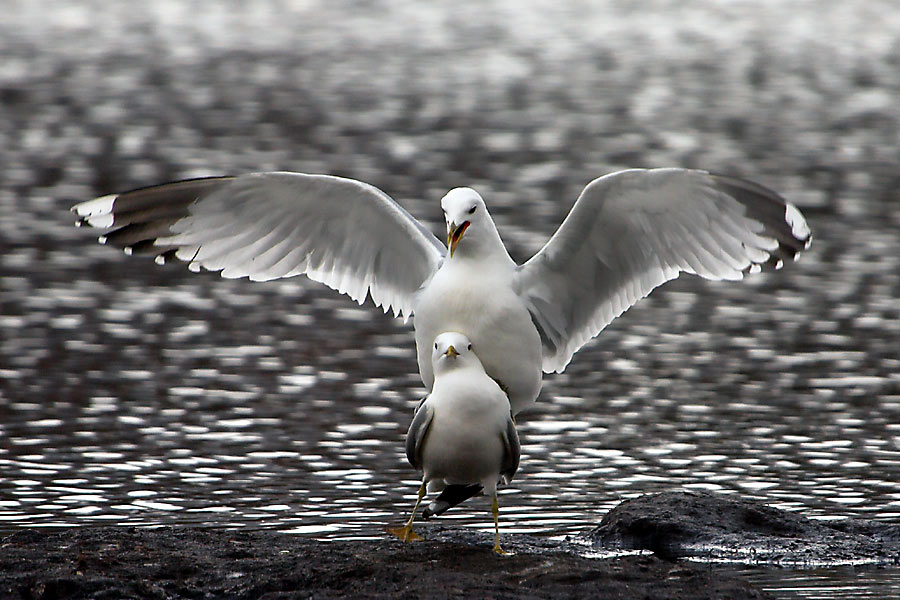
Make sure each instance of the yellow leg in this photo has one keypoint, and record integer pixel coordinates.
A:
(406, 532)
(495, 509)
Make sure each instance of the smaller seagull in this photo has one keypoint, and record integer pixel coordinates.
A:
(462, 435)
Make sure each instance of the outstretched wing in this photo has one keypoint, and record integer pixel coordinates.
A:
(349, 235)
(631, 231)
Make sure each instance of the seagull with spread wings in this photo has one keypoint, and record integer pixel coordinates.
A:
(627, 233)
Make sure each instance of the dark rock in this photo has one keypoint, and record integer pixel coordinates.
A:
(714, 527)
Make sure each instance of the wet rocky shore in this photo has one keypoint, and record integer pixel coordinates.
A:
(184, 562)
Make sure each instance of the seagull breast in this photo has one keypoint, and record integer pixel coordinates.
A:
(465, 443)
(477, 299)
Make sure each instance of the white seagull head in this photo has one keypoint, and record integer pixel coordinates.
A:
(464, 211)
(453, 351)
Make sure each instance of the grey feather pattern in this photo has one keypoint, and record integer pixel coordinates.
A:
(511, 451)
(415, 437)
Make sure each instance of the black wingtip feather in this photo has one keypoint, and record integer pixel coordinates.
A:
(177, 193)
(450, 497)
(142, 215)
(771, 209)
(140, 233)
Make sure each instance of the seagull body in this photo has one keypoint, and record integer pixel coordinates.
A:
(462, 433)
(627, 233)
(501, 329)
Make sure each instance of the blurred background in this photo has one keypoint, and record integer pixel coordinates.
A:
(146, 395)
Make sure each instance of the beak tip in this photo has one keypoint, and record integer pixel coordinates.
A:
(454, 235)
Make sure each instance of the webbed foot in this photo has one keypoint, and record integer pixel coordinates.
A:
(405, 533)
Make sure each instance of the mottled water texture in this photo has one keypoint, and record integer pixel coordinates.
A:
(145, 395)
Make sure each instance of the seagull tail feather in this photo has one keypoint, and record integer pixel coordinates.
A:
(450, 497)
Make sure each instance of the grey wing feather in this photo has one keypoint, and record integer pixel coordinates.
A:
(349, 235)
(415, 437)
(632, 231)
(511, 451)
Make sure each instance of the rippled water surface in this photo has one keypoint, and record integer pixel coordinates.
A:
(142, 395)
(135, 394)
(846, 583)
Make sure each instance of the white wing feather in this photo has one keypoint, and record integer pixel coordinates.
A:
(344, 233)
(632, 231)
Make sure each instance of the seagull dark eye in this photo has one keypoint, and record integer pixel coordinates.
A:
(435, 345)
(472, 210)
(469, 347)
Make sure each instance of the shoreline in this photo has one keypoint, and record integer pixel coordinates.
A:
(676, 531)
(190, 563)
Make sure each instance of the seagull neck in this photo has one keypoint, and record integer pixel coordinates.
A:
(450, 366)
(486, 249)
(444, 367)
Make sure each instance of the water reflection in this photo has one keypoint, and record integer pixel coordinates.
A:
(321, 453)
(847, 582)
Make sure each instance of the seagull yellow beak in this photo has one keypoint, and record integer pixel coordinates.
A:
(451, 352)
(454, 234)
